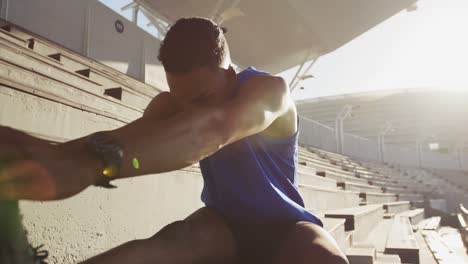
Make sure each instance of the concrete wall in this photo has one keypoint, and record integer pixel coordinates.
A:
(88, 27)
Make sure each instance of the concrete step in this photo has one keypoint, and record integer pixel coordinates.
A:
(307, 169)
(387, 259)
(349, 239)
(325, 165)
(340, 177)
(12, 38)
(59, 67)
(317, 181)
(323, 199)
(415, 216)
(373, 197)
(336, 228)
(383, 182)
(401, 190)
(418, 204)
(361, 255)
(328, 153)
(361, 219)
(432, 223)
(379, 234)
(41, 47)
(307, 176)
(402, 241)
(442, 252)
(317, 161)
(351, 186)
(396, 207)
(410, 197)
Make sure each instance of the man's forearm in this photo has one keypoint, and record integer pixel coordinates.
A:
(171, 144)
(162, 145)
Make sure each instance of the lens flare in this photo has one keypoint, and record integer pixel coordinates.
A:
(136, 163)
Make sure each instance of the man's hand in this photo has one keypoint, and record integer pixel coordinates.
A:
(31, 168)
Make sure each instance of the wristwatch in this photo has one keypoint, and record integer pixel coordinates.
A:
(110, 152)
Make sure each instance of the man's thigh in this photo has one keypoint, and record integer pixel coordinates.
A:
(309, 243)
(203, 237)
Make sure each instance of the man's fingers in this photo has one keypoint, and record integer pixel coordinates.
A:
(5, 175)
(26, 180)
(13, 190)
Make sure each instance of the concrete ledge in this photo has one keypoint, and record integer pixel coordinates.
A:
(361, 219)
(307, 176)
(336, 228)
(411, 197)
(361, 255)
(415, 216)
(387, 259)
(323, 199)
(339, 176)
(396, 207)
(432, 223)
(402, 242)
(372, 197)
(351, 186)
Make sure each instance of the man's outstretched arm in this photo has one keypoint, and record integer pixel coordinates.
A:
(187, 137)
(161, 142)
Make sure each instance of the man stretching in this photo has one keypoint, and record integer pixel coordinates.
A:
(241, 127)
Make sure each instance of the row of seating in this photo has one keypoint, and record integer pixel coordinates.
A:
(41, 67)
(462, 218)
(384, 227)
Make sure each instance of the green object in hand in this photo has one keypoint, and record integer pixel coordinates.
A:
(135, 163)
(5, 161)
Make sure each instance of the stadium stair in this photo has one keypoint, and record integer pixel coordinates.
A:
(402, 241)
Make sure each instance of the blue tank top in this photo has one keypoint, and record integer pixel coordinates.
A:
(253, 180)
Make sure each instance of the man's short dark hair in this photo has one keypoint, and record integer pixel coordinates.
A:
(192, 42)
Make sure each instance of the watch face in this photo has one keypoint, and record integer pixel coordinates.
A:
(109, 151)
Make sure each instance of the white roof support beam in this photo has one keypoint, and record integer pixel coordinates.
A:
(215, 12)
(135, 7)
(306, 58)
(231, 12)
(160, 26)
(304, 75)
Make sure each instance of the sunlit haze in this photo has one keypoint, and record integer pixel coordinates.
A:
(423, 48)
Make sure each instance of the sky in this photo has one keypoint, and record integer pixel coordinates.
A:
(424, 48)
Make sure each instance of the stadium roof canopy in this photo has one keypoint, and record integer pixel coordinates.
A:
(276, 35)
(409, 116)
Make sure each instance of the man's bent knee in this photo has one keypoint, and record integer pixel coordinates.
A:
(203, 235)
(308, 241)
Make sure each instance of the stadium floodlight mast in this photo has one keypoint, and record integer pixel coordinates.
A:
(381, 139)
(460, 155)
(419, 151)
(339, 131)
